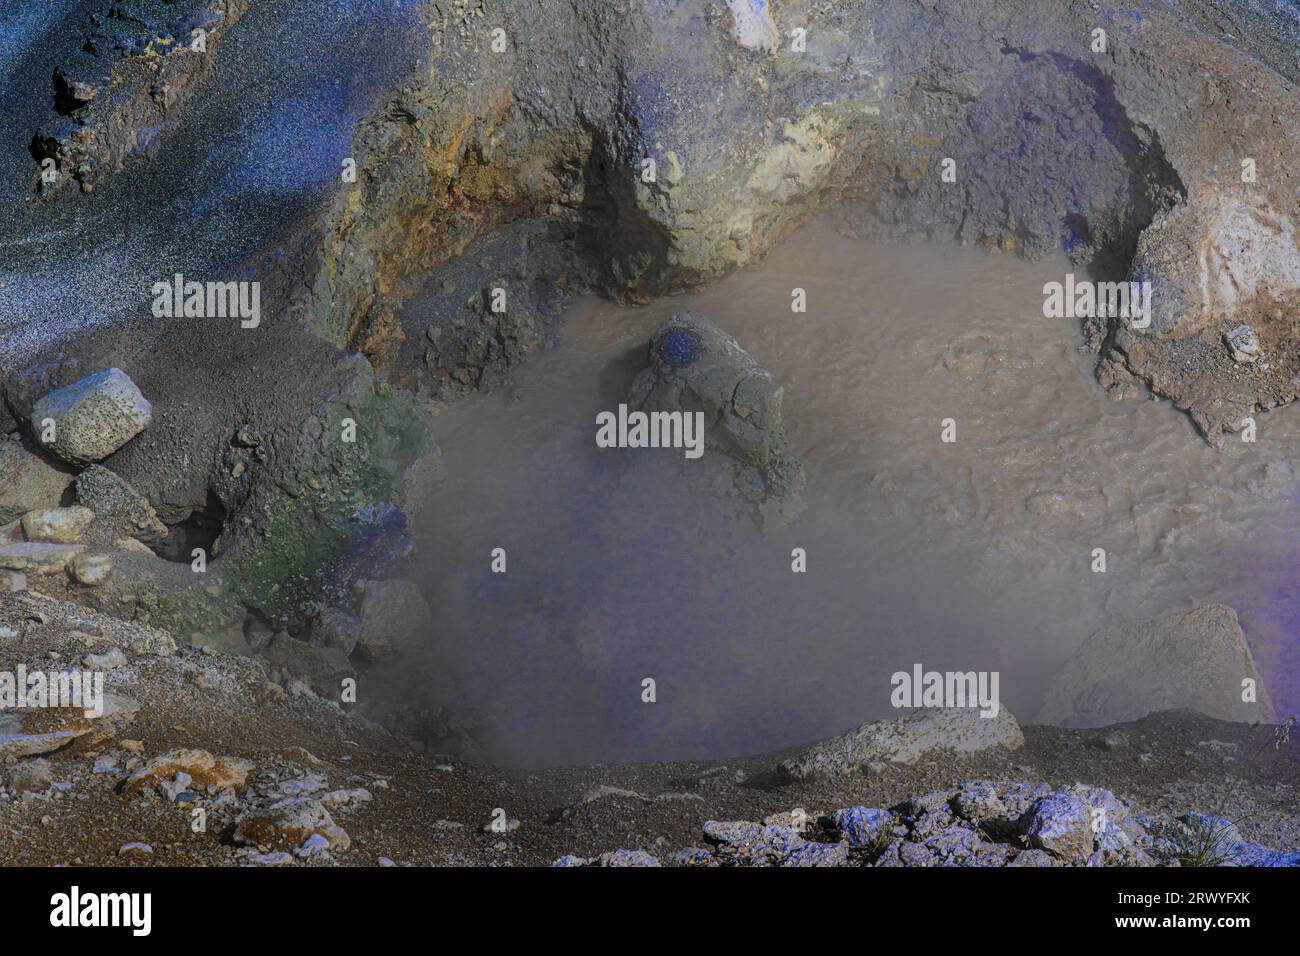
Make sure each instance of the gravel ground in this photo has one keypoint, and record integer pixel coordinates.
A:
(430, 809)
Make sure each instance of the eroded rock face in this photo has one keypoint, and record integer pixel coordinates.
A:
(28, 482)
(119, 509)
(92, 417)
(1129, 158)
(130, 74)
(1077, 822)
(696, 367)
(905, 740)
(1189, 659)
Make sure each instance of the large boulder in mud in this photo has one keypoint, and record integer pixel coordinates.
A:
(1196, 659)
(91, 418)
(28, 482)
(906, 740)
(697, 367)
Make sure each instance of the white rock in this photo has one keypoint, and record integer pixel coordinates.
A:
(907, 739)
(1189, 659)
(93, 417)
(57, 525)
(91, 570)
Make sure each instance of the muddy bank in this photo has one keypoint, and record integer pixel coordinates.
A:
(113, 796)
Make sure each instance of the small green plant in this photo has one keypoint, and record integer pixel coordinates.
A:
(1282, 735)
(1204, 841)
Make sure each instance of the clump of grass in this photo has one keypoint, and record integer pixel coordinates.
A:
(880, 842)
(1282, 735)
(1203, 841)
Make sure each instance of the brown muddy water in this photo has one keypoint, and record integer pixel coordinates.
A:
(625, 564)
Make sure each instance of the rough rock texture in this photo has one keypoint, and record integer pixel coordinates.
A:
(905, 740)
(58, 525)
(135, 66)
(1195, 659)
(92, 628)
(1130, 158)
(985, 823)
(200, 766)
(697, 367)
(120, 510)
(24, 733)
(322, 668)
(290, 824)
(28, 482)
(91, 418)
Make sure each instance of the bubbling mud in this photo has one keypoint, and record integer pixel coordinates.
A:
(630, 564)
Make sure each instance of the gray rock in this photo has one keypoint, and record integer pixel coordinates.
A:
(751, 843)
(393, 614)
(120, 510)
(107, 661)
(1033, 857)
(289, 824)
(91, 570)
(321, 668)
(57, 525)
(171, 789)
(27, 482)
(817, 854)
(863, 826)
(1084, 825)
(627, 858)
(26, 733)
(38, 558)
(906, 740)
(997, 807)
(34, 774)
(1189, 659)
(333, 627)
(93, 417)
(92, 628)
(274, 858)
(960, 846)
(697, 367)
